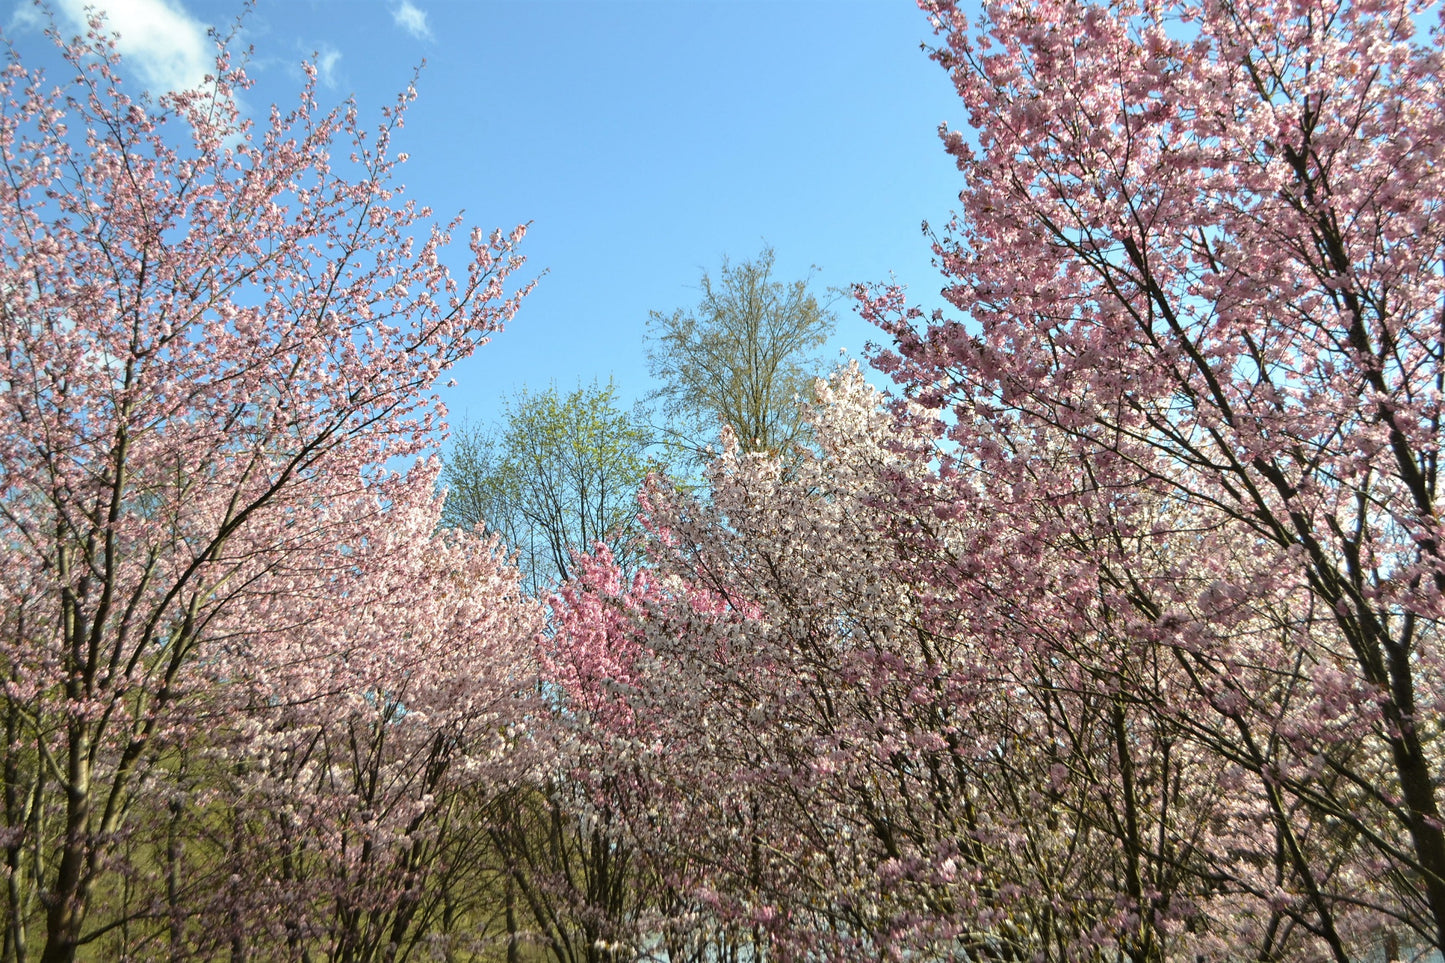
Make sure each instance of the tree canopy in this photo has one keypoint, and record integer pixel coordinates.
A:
(222, 608)
(559, 474)
(745, 358)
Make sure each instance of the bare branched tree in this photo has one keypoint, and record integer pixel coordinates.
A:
(742, 358)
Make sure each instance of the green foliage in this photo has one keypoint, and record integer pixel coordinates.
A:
(560, 473)
(744, 358)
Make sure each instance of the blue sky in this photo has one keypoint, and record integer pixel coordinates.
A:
(643, 140)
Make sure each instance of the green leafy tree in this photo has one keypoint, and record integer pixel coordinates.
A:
(742, 358)
(561, 472)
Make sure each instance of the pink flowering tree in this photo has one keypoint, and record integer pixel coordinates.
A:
(216, 337)
(588, 889)
(383, 717)
(836, 724)
(333, 807)
(1198, 252)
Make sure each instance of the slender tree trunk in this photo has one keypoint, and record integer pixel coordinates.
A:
(510, 897)
(66, 914)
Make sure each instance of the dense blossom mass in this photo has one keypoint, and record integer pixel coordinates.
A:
(1112, 634)
(243, 677)
(1121, 635)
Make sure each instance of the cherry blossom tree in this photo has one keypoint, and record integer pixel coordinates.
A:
(1199, 253)
(883, 699)
(218, 338)
(332, 809)
(588, 890)
(376, 729)
(821, 747)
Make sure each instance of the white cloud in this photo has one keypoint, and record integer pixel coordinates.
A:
(326, 60)
(167, 44)
(27, 17)
(412, 19)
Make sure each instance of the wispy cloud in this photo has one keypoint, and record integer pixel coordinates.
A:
(326, 60)
(412, 19)
(27, 17)
(168, 45)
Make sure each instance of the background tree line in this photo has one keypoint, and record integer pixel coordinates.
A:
(560, 473)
